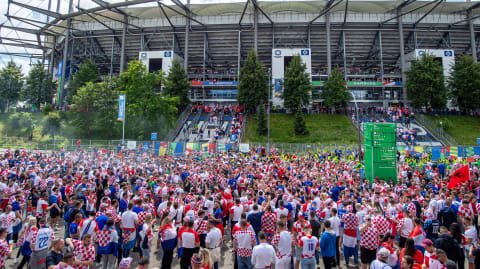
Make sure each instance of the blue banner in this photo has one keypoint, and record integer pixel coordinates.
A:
(121, 107)
(146, 146)
(156, 148)
(436, 153)
(278, 86)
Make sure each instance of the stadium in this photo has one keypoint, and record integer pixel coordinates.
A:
(371, 42)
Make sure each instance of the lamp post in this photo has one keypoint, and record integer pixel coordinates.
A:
(358, 127)
(441, 129)
(268, 111)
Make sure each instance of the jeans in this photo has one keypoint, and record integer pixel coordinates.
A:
(108, 261)
(244, 262)
(308, 263)
(145, 252)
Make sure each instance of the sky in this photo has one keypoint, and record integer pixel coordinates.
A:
(84, 4)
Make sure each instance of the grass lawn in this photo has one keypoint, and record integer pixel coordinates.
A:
(323, 128)
(464, 129)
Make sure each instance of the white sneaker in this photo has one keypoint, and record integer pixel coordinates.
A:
(15, 261)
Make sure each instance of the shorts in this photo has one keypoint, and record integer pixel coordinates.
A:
(367, 256)
(298, 253)
(54, 213)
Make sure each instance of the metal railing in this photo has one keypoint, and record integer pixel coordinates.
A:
(172, 134)
(438, 132)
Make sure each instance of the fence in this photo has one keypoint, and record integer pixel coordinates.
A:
(436, 131)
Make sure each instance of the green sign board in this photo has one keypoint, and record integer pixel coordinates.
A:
(380, 151)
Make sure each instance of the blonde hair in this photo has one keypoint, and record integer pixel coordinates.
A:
(32, 221)
(166, 220)
(206, 259)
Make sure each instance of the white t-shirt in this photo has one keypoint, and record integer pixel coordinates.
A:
(263, 255)
(284, 245)
(471, 233)
(335, 224)
(281, 211)
(128, 219)
(237, 212)
(44, 236)
(309, 245)
(214, 237)
(40, 211)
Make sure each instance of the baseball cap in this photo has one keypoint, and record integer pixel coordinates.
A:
(383, 253)
(427, 242)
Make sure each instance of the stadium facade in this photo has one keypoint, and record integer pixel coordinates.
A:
(371, 42)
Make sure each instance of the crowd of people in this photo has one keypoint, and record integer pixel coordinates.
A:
(283, 210)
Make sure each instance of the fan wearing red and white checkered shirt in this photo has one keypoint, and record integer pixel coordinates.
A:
(268, 223)
(465, 210)
(84, 251)
(369, 236)
(5, 249)
(283, 241)
(381, 223)
(243, 243)
(200, 226)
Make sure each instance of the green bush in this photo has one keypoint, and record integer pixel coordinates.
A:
(445, 123)
(47, 109)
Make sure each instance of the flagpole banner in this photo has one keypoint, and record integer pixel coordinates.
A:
(204, 149)
(228, 147)
(460, 152)
(173, 145)
(454, 151)
(222, 147)
(121, 107)
(244, 147)
(476, 150)
(436, 153)
(156, 146)
(163, 148)
(211, 148)
(418, 149)
(178, 150)
(460, 176)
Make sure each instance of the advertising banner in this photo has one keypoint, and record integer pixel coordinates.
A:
(278, 86)
(121, 107)
(244, 147)
(132, 145)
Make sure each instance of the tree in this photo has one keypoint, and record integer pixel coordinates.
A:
(335, 94)
(261, 121)
(19, 124)
(426, 84)
(83, 109)
(253, 83)
(148, 111)
(52, 124)
(177, 84)
(87, 72)
(464, 83)
(300, 125)
(39, 87)
(11, 83)
(297, 86)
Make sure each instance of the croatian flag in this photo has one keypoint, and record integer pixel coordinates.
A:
(418, 235)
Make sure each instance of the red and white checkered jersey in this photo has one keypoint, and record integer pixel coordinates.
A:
(283, 243)
(83, 253)
(4, 252)
(244, 239)
(369, 237)
(298, 228)
(6, 221)
(200, 226)
(465, 211)
(350, 222)
(106, 236)
(42, 206)
(268, 222)
(406, 226)
(141, 217)
(282, 211)
(382, 224)
(308, 245)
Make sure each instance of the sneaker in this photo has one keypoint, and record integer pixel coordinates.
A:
(56, 229)
(15, 261)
